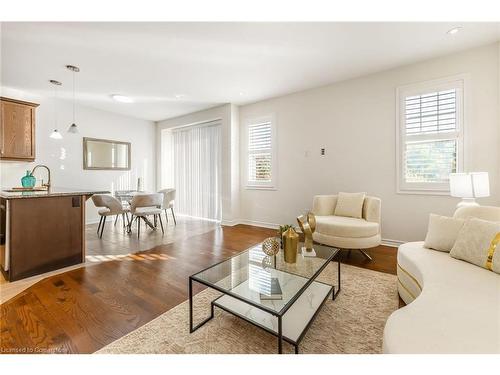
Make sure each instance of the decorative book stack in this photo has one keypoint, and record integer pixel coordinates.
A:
(272, 292)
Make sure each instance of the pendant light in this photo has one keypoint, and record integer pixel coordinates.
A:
(55, 134)
(73, 128)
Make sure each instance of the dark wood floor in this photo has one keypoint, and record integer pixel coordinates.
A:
(85, 309)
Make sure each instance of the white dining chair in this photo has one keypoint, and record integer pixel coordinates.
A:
(168, 202)
(109, 206)
(144, 205)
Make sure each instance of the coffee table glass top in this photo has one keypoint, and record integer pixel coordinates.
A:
(249, 274)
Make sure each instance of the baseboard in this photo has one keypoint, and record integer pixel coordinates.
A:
(229, 223)
(391, 243)
(263, 224)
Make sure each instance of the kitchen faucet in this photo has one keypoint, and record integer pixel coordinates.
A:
(47, 185)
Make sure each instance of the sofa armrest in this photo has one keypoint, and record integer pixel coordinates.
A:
(324, 205)
(372, 209)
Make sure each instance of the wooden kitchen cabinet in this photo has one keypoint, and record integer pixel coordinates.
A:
(41, 231)
(41, 234)
(17, 130)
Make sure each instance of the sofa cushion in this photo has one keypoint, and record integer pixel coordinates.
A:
(324, 204)
(477, 244)
(442, 232)
(350, 205)
(489, 213)
(340, 226)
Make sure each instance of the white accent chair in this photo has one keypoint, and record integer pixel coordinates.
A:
(168, 202)
(347, 232)
(110, 206)
(452, 306)
(144, 205)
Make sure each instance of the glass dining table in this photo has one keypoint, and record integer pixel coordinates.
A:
(127, 195)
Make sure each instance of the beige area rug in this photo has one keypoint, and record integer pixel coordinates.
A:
(353, 323)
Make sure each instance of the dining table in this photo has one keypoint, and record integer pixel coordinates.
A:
(127, 196)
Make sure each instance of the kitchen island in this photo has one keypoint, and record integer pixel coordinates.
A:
(41, 231)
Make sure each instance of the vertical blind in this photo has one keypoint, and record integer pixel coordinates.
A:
(431, 136)
(197, 170)
(260, 153)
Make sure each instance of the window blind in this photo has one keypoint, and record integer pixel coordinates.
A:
(260, 153)
(197, 160)
(431, 137)
(435, 112)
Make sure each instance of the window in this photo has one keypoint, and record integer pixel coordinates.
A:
(430, 135)
(261, 153)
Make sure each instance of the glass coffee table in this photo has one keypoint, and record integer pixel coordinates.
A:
(246, 279)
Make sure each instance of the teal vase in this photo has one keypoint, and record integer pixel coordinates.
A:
(29, 180)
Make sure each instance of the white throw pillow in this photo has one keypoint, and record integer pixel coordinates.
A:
(442, 232)
(477, 244)
(350, 205)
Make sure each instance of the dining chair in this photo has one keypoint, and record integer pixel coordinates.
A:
(168, 202)
(144, 205)
(109, 206)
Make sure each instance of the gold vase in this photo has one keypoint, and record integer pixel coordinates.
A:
(290, 241)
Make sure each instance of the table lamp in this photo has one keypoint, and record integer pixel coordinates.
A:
(469, 186)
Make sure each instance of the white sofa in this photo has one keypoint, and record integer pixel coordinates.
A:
(453, 306)
(347, 232)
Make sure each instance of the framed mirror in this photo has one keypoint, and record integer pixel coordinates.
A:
(105, 154)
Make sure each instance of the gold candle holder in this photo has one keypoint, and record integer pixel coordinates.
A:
(291, 241)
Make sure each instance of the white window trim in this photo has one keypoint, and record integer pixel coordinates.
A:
(403, 187)
(273, 185)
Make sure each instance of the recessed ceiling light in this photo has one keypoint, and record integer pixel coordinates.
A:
(242, 93)
(122, 98)
(179, 96)
(454, 30)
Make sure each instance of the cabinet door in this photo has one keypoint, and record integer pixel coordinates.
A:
(45, 234)
(17, 131)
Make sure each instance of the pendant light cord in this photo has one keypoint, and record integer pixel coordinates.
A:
(55, 106)
(73, 96)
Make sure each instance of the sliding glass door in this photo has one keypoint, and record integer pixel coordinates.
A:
(194, 164)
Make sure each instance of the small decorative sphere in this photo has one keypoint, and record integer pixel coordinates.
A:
(270, 246)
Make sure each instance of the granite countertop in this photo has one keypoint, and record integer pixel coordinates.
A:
(6, 193)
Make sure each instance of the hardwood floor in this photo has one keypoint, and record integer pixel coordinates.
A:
(384, 259)
(82, 310)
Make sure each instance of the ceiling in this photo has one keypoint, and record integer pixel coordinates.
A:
(170, 69)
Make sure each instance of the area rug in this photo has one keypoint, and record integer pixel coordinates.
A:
(352, 323)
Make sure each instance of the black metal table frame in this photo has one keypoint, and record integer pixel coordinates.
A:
(278, 314)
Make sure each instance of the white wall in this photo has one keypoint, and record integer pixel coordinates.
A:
(227, 114)
(65, 157)
(355, 121)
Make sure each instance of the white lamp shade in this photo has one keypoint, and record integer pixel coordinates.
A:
(469, 185)
(73, 129)
(461, 185)
(480, 184)
(56, 135)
